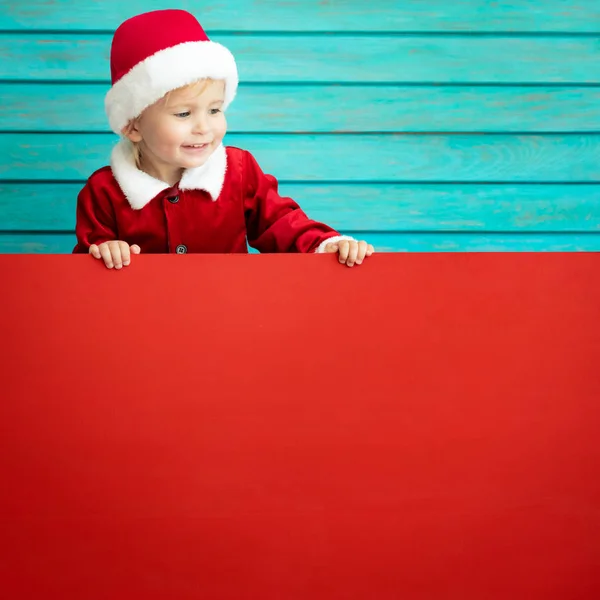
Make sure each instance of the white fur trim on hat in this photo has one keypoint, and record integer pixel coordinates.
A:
(140, 188)
(167, 70)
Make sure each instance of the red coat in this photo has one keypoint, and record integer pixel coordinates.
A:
(213, 209)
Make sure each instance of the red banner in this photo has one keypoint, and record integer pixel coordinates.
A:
(282, 427)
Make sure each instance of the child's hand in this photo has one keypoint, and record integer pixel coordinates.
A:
(115, 254)
(351, 252)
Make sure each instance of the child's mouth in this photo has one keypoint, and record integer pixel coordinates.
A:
(195, 147)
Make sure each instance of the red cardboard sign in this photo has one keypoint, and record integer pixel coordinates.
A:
(282, 427)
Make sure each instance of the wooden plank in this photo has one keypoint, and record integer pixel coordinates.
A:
(367, 207)
(491, 242)
(355, 109)
(63, 243)
(333, 58)
(348, 157)
(37, 243)
(335, 15)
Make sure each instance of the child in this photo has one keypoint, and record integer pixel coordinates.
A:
(172, 186)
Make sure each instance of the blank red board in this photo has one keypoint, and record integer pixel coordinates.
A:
(281, 427)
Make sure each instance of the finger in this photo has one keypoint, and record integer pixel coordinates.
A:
(106, 255)
(370, 250)
(352, 254)
(115, 250)
(94, 251)
(135, 249)
(362, 252)
(331, 248)
(344, 250)
(125, 256)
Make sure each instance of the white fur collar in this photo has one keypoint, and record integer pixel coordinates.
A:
(139, 187)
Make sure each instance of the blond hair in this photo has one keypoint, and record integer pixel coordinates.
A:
(198, 86)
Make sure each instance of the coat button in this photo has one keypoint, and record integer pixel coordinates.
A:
(173, 199)
(181, 249)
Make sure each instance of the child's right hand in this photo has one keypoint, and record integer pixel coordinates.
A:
(115, 253)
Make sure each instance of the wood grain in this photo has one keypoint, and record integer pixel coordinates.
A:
(32, 243)
(432, 126)
(349, 157)
(289, 108)
(368, 206)
(315, 15)
(385, 58)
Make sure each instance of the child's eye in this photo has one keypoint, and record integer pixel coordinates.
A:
(214, 111)
(183, 114)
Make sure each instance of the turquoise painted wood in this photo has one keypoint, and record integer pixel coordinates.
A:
(48, 107)
(279, 58)
(348, 157)
(424, 126)
(63, 243)
(373, 207)
(441, 16)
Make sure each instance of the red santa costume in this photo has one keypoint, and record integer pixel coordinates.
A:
(217, 207)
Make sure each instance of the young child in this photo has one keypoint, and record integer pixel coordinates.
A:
(172, 186)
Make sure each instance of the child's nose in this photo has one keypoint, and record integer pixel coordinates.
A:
(201, 125)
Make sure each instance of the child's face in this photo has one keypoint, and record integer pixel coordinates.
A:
(182, 130)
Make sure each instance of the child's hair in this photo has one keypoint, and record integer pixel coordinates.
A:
(198, 86)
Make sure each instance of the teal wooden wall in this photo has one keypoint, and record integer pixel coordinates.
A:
(418, 124)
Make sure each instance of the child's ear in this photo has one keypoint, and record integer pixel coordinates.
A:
(131, 131)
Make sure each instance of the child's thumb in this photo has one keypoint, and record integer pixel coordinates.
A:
(135, 249)
(331, 248)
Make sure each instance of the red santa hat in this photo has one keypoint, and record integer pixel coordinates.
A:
(159, 51)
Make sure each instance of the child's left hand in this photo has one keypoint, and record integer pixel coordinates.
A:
(351, 252)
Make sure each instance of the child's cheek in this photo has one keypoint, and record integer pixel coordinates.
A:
(220, 127)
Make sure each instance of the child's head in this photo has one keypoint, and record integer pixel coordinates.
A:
(171, 85)
(182, 129)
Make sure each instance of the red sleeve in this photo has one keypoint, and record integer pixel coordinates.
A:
(95, 218)
(275, 223)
